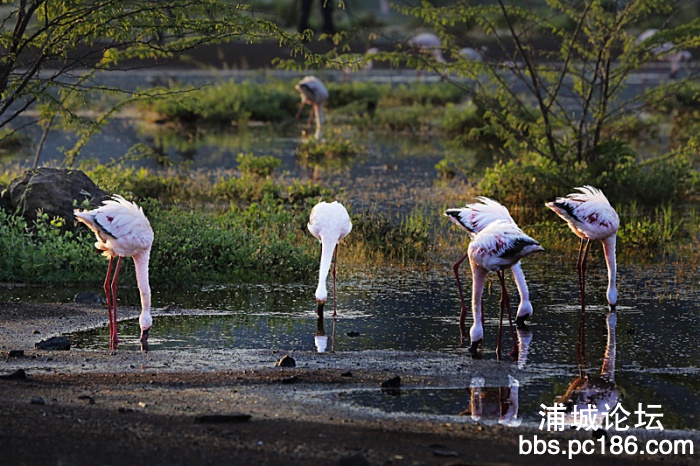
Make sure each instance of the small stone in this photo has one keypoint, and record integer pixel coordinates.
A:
(286, 361)
(19, 374)
(88, 297)
(15, 354)
(346, 374)
(36, 332)
(37, 400)
(89, 399)
(392, 383)
(353, 334)
(54, 344)
(289, 380)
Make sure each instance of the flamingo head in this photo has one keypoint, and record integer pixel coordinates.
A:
(612, 298)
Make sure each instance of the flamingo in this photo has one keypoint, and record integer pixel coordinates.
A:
(313, 93)
(475, 217)
(329, 223)
(428, 43)
(591, 217)
(499, 246)
(122, 230)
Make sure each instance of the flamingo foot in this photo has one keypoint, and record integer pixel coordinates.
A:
(520, 321)
(514, 353)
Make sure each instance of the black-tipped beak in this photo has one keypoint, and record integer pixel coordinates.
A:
(144, 340)
(474, 347)
(319, 309)
(613, 307)
(520, 321)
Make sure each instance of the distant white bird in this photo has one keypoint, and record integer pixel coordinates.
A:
(473, 54)
(499, 246)
(329, 223)
(313, 93)
(591, 217)
(665, 52)
(475, 217)
(429, 44)
(122, 230)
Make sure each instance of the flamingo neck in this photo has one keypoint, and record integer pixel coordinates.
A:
(327, 247)
(141, 267)
(478, 279)
(318, 113)
(609, 250)
(525, 307)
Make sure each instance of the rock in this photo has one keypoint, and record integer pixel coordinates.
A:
(16, 353)
(289, 380)
(392, 383)
(222, 418)
(286, 361)
(89, 297)
(19, 374)
(53, 191)
(37, 400)
(445, 453)
(346, 374)
(88, 398)
(54, 344)
(353, 334)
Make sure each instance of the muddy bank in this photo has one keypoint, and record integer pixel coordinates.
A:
(232, 406)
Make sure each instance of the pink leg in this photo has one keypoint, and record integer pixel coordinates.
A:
(463, 312)
(108, 296)
(335, 259)
(114, 337)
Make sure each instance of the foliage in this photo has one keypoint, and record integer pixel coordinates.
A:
(261, 166)
(569, 113)
(223, 103)
(335, 153)
(39, 36)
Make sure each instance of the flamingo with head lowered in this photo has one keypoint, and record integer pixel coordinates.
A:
(329, 223)
(475, 217)
(591, 217)
(499, 246)
(313, 93)
(122, 230)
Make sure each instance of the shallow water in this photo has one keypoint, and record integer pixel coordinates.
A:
(656, 361)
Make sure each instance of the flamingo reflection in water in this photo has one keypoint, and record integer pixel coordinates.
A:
(595, 395)
(320, 337)
(501, 402)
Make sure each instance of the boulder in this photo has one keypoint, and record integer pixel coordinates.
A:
(53, 191)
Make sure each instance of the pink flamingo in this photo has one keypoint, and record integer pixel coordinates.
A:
(591, 217)
(122, 229)
(499, 246)
(475, 217)
(329, 223)
(313, 93)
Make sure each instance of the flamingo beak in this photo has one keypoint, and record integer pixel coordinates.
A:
(144, 340)
(613, 307)
(319, 309)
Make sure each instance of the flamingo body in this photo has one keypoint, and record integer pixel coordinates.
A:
(122, 230)
(313, 93)
(329, 223)
(428, 43)
(591, 217)
(499, 246)
(476, 216)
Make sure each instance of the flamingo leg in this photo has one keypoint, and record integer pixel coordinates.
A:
(113, 336)
(108, 296)
(463, 312)
(581, 268)
(335, 259)
(500, 318)
(311, 116)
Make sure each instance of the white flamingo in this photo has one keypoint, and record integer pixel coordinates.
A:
(591, 217)
(475, 217)
(499, 246)
(122, 230)
(329, 223)
(428, 43)
(313, 93)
